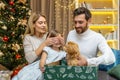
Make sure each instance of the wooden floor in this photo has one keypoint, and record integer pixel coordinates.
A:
(102, 75)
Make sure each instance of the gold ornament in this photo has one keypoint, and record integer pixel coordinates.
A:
(24, 7)
(22, 22)
(11, 17)
(15, 47)
(22, 1)
(22, 36)
(2, 5)
(29, 12)
(4, 27)
(1, 54)
(4, 46)
(1, 22)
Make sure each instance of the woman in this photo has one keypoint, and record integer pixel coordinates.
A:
(34, 42)
(34, 70)
(35, 37)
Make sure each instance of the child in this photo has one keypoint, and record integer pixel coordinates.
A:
(52, 53)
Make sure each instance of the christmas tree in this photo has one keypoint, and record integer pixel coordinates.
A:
(13, 21)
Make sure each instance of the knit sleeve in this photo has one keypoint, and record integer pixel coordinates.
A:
(30, 54)
(106, 51)
(107, 57)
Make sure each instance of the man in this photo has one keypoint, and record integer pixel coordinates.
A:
(89, 41)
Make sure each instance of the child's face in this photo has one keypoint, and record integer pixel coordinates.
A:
(57, 41)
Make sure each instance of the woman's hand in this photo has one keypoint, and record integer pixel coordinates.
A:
(52, 41)
(61, 39)
(49, 41)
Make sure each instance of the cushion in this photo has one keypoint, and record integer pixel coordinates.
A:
(103, 67)
(115, 72)
(117, 57)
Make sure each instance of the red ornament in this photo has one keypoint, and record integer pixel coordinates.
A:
(12, 10)
(15, 72)
(17, 56)
(11, 3)
(5, 38)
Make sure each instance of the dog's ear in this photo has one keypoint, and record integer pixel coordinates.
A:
(66, 48)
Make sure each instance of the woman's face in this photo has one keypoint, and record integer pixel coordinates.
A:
(41, 26)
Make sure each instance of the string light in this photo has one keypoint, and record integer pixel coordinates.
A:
(65, 6)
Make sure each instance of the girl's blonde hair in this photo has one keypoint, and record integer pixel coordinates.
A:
(33, 18)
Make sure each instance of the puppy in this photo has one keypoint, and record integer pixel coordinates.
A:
(73, 57)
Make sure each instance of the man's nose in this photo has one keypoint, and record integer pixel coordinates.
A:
(77, 24)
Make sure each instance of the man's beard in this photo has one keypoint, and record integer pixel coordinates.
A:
(80, 30)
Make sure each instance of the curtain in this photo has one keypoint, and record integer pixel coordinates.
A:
(59, 13)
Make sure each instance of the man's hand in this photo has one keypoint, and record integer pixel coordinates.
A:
(82, 61)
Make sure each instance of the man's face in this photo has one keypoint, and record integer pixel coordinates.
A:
(81, 25)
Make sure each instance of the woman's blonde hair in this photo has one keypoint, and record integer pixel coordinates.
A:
(33, 18)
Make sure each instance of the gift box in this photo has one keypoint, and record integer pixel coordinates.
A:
(5, 75)
(70, 73)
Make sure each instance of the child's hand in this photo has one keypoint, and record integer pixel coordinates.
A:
(42, 69)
